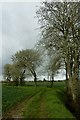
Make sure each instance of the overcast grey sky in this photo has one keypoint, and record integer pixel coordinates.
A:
(19, 28)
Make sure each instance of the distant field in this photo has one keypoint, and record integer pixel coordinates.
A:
(35, 102)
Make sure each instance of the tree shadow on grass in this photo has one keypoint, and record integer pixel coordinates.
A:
(66, 101)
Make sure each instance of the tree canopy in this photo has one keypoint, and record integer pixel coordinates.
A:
(60, 28)
(24, 63)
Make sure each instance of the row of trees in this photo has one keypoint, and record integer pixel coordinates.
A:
(60, 39)
(60, 28)
(30, 62)
(24, 64)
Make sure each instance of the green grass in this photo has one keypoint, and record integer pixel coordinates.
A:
(41, 101)
(33, 108)
(11, 95)
(0, 99)
(55, 107)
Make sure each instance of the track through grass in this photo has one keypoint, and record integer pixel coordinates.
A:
(35, 102)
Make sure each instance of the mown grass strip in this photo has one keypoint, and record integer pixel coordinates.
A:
(33, 106)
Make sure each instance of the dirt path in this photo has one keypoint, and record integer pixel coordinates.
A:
(42, 111)
(19, 110)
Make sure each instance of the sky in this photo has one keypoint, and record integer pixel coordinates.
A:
(19, 28)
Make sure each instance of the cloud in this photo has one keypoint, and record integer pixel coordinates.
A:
(18, 27)
(20, 1)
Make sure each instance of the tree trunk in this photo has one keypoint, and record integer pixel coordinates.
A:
(35, 79)
(52, 80)
(8, 78)
(76, 83)
(22, 78)
(16, 82)
(66, 76)
(79, 85)
(73, 84)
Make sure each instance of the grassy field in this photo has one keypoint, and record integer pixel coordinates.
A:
(35, 102)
